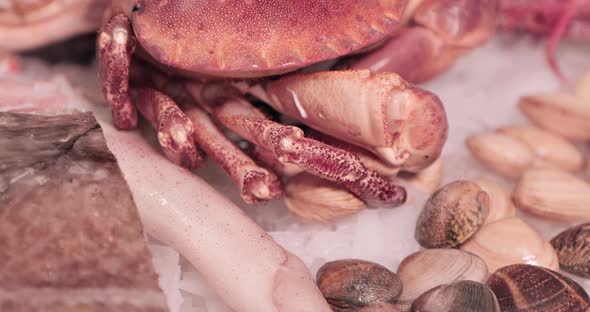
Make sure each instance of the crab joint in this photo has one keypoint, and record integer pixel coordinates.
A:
(288, 144)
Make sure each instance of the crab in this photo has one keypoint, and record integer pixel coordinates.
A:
(192, 68)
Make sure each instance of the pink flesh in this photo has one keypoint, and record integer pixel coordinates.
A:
(417, 54)
(246, 267)
(259, 37)
(443, 30)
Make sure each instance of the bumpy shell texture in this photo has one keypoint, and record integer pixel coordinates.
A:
(524, 288)
(452, 215)
(259, 37)
(351, 284)
(573, 249)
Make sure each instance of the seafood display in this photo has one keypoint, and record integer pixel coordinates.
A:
(402, 124)
(213, 155)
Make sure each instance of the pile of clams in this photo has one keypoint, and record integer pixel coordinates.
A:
(479, 256)
(430, 281)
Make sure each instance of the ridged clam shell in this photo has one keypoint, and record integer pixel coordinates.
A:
(528, 288)
(573, 249)
(550, 149)
(561, 113)
(426, 269)
(314, 199)
(501, 153)
(460, 296)
(511, 241)
(452, 215)
(351, 284)
(553, 194)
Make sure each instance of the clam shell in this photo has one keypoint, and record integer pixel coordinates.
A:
(501, 153)
(524, 288)
(380, 307)
(314, 199)
(501, 206)
(452, 215)
(511, 241)
(460, 296)
(561, 113)
(351, 284)
(426, 269)
(573, 249)
(553, 194)
(550, 149)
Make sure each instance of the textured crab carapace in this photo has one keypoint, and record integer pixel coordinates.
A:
(227, 49)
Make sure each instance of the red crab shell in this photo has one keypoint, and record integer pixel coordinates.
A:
(241, 38)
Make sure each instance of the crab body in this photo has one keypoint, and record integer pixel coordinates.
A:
(225, 50)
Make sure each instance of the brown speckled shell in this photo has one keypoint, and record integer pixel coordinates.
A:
(460, 296)
(351, 284)
(452, 215)
(259, 37)
(528, 288)
(573, 249)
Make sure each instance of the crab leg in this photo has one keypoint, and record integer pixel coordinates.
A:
(255, 183)
(175, 131)
(268, 159)
(116, 44)
(289, 145)
(443, 30)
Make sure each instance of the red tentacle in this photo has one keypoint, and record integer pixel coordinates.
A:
(557, 34)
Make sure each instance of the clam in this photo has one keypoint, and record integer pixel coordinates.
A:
(460, 296)
(558, 112)
(524, 288)
(501, 153)
(550, 149)
(452, 215)
(426, 269)
(380, 307)
(350, 284)
(501, 206)
(553, 194)
(511, 241)
(314, 199)
(573, 249)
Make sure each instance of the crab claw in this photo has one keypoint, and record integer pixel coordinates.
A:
(419, 125)
(402, 124)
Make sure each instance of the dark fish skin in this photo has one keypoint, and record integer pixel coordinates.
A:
(70, 235)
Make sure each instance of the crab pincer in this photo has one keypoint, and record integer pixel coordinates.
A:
(289, 145)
